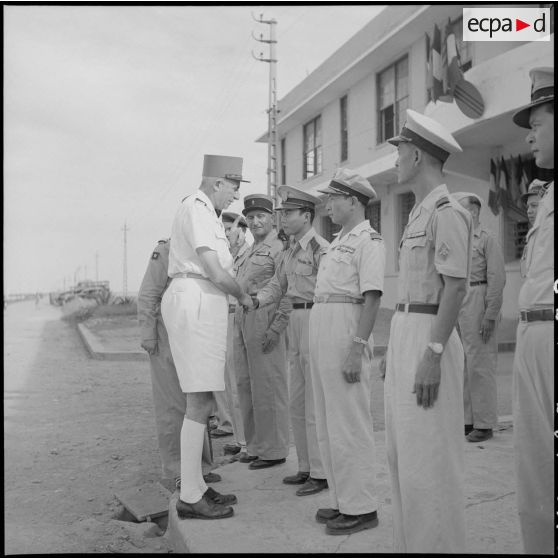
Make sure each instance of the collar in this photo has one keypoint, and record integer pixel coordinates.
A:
(355, 231)
(478, 230)
(268, 240)
(242, 249)
(429, 201)
(307, 238)
(202, 196)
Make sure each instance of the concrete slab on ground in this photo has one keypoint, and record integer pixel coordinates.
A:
(97, 349)
(270, 518)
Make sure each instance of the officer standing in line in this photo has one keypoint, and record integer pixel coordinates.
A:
(346, 301)
(168, 400)
(477, 325)
(532, 199)
(259, 344)
(229, 405)
(533, 366)
(194, 310)
(423, 390)
(296, 278)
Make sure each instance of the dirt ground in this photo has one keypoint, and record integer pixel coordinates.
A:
(76, 431)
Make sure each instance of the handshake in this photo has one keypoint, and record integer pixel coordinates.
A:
(249, 302)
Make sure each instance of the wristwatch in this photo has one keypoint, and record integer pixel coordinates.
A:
(360, 340)
(436, 348)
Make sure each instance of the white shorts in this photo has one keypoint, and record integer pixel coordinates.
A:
(195, 314)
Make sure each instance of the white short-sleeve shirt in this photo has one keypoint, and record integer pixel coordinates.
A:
(197, 225)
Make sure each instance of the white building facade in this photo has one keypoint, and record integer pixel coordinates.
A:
(343, 113)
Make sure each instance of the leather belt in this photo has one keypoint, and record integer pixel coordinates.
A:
(418, 307)
(232, 308)
(298, 305)
(542, 315)
(475, 283)
(338, 298)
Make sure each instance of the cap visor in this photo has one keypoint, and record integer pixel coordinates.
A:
(256, 208)
(396, 140)
(288, 205)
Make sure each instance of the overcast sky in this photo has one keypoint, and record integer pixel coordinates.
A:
(108, 111)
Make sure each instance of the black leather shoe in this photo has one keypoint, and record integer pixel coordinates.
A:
(231, 449)
(323, 515)
(468, 428)
(217, 498)
(211, 477)
(247, 458)
(263, 463)
(300, 478)
(312, 486)
(345, 524)
(202, 509)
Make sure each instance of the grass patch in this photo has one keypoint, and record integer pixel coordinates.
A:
(115, 310)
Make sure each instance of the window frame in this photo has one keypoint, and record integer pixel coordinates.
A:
(317, 149)
(397, 111)
(344, 128)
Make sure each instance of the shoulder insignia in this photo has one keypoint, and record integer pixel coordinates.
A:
(315, 244)
(375, 236)
(442, 202)
(155, 255)
(201, 201)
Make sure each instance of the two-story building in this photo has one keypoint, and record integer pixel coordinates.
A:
(343, 113)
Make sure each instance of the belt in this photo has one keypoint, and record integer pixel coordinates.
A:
(191, 275)
(418, 307)
(298, 305)
(542, 315)
(232, 308)
(338, 298)
(475, 283)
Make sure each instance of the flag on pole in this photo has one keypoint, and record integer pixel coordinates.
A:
(436, 62)
(493, 192)
(455, 73)
(503, 182)
(428, 68)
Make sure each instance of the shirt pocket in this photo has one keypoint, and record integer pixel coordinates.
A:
(416, 249)
(342, 266)
(261, 269)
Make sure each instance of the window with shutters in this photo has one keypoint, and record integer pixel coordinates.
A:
(374, 215)
(312, 148)
(344, 128)
(393, 99)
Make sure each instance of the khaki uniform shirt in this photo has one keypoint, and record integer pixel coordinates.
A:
(155, 282)
(487, 264)
(436, 241)
(296, 275)
(353, 264)
(196, 225)
(257, 269)
(537, 290)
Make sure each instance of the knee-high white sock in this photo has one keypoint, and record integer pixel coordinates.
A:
(191, 444)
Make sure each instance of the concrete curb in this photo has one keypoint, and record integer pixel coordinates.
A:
(97, 351)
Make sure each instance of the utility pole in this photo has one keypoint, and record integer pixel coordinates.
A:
(97, 265)
(125, 269)
(272, 110)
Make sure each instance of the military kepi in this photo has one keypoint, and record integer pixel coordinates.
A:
(348, 182)
(258, 201)
(293, 198)
(222, 166)
(427, 134)
(542, 91)
(458, 196)
(536, 188)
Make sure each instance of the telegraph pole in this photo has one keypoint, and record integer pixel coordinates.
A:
(97, 265)
(272, 110)
(125, 267)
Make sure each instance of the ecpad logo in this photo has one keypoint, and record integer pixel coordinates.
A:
(506, 24)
